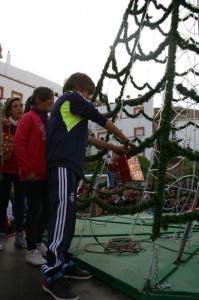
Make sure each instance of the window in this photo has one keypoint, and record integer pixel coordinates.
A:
(101, 135)
(17, 94)
(139, 132)
(1, 92)
(133, 111)
(137, 109)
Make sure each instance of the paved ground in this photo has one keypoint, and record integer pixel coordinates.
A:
(21, 281)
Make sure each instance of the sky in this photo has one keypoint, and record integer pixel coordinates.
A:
(54, 39)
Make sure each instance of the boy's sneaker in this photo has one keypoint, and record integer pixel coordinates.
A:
(34, 257)
(20, 240)
(42, 249)
(59, 289)
(2, 240)
(76, 273)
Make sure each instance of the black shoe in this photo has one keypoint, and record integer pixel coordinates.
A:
(59, 289)
(76, 273)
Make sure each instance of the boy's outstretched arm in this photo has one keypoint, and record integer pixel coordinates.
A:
(104, 145)
(110, 127)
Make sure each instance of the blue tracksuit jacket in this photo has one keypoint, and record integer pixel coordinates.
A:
(67, 134)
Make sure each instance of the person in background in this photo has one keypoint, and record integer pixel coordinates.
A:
(123, 198)
(66, 147)
(30, 151)
(10, 174)
(114, 198)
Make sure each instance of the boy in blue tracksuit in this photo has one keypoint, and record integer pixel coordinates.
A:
(67, 139)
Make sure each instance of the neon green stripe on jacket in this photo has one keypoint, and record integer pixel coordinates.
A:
(69, 119)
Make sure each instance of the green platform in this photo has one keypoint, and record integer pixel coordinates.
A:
(128, 271)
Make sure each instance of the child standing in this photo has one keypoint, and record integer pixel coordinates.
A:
(10, 174)
(30, 151)
(66, 147)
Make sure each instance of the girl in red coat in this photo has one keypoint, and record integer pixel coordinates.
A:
(30, 151)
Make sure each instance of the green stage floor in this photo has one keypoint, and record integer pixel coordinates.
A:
(136, 274)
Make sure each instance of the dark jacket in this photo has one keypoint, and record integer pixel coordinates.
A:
(67, 135)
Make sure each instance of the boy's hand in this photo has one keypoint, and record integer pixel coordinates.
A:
(117, 149)
(131, 145)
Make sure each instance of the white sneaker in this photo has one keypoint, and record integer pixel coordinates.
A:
(34, 257)
(2, 241)
(42, 249)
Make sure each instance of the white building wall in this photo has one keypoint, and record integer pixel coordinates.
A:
(189, 135)
(22, 82)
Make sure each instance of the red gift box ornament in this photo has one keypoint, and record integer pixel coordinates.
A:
(113, 166)
(129, 168)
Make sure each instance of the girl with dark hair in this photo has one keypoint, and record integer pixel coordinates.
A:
(9, 171)
(28, 105)
(30, 151)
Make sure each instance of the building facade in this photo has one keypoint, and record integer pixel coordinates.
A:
(15, 82)
(185, 126)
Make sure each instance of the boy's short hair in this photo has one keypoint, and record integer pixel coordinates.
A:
(79, 81)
